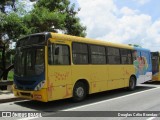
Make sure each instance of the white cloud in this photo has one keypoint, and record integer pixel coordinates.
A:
(97, 15)
(154, 32)
(128, 11)
(105, 21)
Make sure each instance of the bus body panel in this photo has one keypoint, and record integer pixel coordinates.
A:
(95, 75)
(156, 76)
(156, 66)
(116, 79)
(143, 65)
(98, 78)
(128, 71)
(59, 82)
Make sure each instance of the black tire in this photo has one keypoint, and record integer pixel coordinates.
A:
(79, 92)
(132, 83)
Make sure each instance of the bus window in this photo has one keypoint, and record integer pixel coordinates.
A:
(58, 54)
(155, 65)
(80, 53)
(126, 56)
(113, 55)
(39, 65)
(98, 55)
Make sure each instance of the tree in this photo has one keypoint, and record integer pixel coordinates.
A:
(53, 15)
(72, 23)
(12, 27)
(135, 45)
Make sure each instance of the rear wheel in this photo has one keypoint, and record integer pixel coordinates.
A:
(79, 92)
(132, 83)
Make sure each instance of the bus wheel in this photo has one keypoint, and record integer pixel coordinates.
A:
(79, 92)
(132, 83)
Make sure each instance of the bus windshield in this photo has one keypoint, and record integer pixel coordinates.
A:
(29, 61)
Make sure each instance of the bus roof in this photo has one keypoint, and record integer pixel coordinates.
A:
(83, 40)
(92, 41)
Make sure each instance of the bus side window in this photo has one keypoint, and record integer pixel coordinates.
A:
(98, 54)
(126, 56)
(59, 54)
(113, 55)
(80, 53)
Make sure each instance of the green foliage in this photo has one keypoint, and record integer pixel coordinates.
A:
(10, 75)
(11, 22)
(42, 19)
(72, 22)
(53, 15)
(134, 45)
(12, 25)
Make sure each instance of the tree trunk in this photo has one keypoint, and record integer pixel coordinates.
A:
(3, 61)
(5, 74)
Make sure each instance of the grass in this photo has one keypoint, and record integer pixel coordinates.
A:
(10, 75)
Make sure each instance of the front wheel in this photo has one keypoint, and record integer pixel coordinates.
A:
(132, 83)
(79, 92)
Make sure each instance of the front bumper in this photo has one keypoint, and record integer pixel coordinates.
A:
(40, 95)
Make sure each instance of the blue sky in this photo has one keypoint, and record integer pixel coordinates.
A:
(151, 7)
(122, 21)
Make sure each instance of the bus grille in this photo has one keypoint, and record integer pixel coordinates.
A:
(25, 94)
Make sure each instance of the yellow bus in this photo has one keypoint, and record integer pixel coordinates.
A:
(52, 66)
(155, 66)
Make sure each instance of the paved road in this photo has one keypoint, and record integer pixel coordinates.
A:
(145, 98)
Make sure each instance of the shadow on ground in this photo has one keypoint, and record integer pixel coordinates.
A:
(152, 83)
(59, 105)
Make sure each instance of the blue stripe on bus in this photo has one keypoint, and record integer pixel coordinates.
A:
(28, 83)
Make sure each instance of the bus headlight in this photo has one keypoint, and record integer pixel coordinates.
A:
(40, 85)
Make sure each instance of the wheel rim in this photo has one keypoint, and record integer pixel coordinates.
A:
(80, 92)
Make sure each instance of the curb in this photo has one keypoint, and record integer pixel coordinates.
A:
(10, 100)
